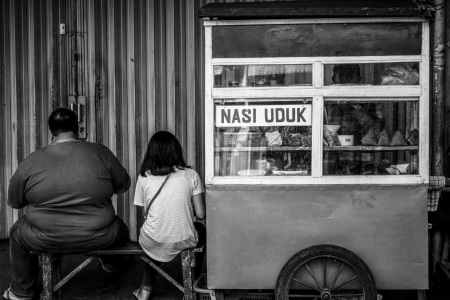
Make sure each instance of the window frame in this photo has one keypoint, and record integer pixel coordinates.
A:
(318, 92)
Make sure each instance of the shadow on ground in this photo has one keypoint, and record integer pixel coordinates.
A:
(93, 283)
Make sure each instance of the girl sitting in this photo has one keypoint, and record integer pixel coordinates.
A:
(172, 196)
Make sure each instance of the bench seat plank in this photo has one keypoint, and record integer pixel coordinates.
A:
(129, 248)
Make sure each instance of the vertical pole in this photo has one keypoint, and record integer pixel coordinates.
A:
(447, 91)
(187, 264)
(47, 279)
(438, 89)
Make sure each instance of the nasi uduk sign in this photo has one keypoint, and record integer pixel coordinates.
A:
(263, 115)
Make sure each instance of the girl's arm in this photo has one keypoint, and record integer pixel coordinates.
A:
(199, 205)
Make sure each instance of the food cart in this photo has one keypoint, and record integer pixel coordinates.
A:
(317, 147)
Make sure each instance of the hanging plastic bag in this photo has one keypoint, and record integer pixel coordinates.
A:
(400, 75)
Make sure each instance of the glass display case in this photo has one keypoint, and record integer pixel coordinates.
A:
(297, 104)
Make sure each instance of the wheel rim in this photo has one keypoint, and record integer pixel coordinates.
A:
(325, 277)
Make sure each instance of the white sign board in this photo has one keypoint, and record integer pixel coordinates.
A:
(264, 115)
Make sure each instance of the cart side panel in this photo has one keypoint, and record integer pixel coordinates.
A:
(254, 230)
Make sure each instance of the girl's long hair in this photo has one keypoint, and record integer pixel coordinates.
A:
(164, 152)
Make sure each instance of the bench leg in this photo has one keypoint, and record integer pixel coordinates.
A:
(47, 277)
(188, 264)
(51, 271)
(421, 295)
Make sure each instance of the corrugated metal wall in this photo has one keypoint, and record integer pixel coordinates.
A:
(139, 63)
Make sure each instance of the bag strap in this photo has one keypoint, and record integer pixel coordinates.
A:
(156, 195)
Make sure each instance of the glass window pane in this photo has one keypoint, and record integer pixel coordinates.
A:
(310, 40)
(372, 74)
(264, 137)
(371, 137)
(262, 75)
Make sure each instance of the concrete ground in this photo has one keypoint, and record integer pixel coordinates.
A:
(93, 283)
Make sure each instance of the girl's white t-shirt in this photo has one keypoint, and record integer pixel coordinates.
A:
(169, 227)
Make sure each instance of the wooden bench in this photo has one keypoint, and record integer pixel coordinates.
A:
(51, 268)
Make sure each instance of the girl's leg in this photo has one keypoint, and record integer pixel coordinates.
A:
(150, 274)
(148, 281)
(199, 257)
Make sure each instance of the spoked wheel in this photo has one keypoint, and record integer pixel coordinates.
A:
(325, 272)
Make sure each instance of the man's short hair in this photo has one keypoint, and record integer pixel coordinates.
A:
(63, 120)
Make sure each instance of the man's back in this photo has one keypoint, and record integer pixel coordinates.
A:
(68, 187)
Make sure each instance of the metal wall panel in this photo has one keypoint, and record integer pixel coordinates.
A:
(139, 63)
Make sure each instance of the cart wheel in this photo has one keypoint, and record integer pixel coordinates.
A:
(325, 272)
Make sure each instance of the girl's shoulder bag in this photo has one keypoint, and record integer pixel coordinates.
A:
(154, 197)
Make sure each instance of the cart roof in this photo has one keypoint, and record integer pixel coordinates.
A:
(315, 9)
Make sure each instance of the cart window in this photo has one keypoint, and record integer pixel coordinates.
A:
(311, 40)
(372, 74)
(262, 75)
(264, 137)
(368, 137)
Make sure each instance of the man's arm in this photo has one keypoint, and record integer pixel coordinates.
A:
(120, 179)
(16, 191)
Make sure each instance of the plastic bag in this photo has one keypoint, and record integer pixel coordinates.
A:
(369, 139)
(306, 140)
(413, 137)
(399, 75)
(295, 139)
(398, 139)
(274, 139)
(384, 139)
(331, 138)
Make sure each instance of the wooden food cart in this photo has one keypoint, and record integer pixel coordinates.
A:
(316, 136)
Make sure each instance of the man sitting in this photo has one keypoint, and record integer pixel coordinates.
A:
(67, 188)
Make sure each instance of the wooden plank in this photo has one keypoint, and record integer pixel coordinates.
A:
(421, 295)
(329, 91)
(31, 78)
(191, 110)
(47, 276)
(438, 91)
(110, 92)
(150, 69)
(164, 274)
(326, 180)
(3, 115)
(337, 20)
(130, 131)
(326, 148)
(49, 90)
(91, 80)
(160, 72)
(445, 270)
(209, 108)
(321, 8)
(180, 74)
(317, 137)
(200, 93)
(74, 272)
(310, 60)
(424, 105)
(13, 132)
(447, 93)
(170, 64)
